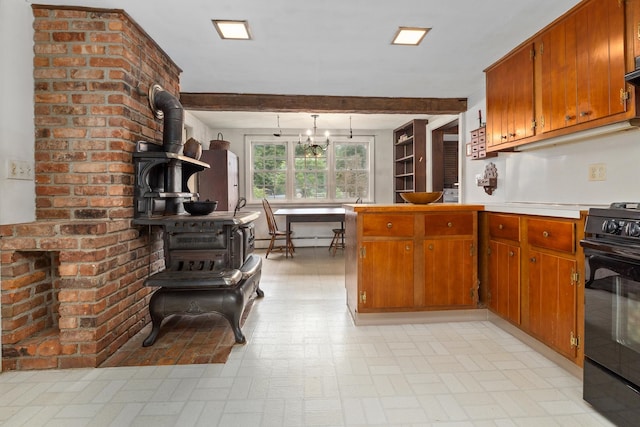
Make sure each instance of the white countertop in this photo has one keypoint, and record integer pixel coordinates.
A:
(544, 209)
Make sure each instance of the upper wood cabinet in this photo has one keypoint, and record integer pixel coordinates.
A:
(582, 66)
(574, 77)
(510, 98)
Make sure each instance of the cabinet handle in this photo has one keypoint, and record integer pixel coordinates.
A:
(408, 248)
(585, 113)
(500, 226)
(389, 225)
(569, 118)
(533, 259)
(430, 247)
(503, 136)
(512, 135)
(511, 253)
(545, 234)
(449, 224)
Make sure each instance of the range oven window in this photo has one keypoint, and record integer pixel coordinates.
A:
(612, 313)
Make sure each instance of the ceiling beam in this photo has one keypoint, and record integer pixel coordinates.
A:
(320, 104)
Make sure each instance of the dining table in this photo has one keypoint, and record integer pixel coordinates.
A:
(309, 215)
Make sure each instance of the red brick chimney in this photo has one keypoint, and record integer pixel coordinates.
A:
(71, 282)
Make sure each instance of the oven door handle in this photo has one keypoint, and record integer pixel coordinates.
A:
(621, 252)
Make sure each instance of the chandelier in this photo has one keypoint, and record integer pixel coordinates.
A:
(312, 145)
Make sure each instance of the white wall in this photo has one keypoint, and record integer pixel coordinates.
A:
(17, 197)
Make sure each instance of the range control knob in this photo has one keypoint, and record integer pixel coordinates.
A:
(611, 226)
(632, 229)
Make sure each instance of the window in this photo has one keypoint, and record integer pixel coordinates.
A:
(281, 168)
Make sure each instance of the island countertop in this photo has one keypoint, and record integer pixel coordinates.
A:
(411, 208)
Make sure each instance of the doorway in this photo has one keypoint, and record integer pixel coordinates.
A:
(444, 155)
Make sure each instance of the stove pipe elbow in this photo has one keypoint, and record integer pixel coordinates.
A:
(167, 107)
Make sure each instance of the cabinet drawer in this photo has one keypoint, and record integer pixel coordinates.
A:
(504, 227)
(387, 225)
(448, 224)
(550, 234)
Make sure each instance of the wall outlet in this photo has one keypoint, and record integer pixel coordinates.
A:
(20, 169)
(598, 172)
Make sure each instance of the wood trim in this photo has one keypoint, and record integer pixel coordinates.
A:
(320, 104)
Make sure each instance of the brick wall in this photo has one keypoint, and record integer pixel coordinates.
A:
(71, 282)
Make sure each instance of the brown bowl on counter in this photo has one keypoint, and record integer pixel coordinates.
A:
(422, 198)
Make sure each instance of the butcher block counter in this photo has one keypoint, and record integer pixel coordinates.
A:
(411, 258)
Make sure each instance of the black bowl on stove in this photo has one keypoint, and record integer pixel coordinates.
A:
(200, 207)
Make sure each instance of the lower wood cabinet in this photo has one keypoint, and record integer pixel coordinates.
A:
(532, 275)
(504, 280)
(411, 257)
(552, 301)
(449, 269)
(387, 274)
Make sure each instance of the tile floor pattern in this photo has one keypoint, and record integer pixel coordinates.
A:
(306, 364)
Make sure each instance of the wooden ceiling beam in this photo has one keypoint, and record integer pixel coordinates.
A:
(320, 104)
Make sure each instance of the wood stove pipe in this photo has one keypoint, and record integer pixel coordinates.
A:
(167, 107)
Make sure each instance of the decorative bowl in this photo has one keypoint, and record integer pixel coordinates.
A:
(200, 208)
(421, 198)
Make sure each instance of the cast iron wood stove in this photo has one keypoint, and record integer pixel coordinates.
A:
(209, 261)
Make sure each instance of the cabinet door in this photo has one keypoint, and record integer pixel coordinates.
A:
(449, 272)
(600, 59)
(510, 98)
(559, 76)
(552, 300)
(386, 274)
(504, 280)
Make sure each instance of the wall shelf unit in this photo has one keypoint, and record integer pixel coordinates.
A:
(409, 158)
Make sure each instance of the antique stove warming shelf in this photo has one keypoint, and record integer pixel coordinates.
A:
(209, 260)
(612, 312)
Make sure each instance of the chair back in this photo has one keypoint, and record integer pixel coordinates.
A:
(271, 219)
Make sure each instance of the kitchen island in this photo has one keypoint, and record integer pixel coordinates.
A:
(404, 258)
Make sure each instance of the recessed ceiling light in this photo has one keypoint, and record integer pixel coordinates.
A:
(409, 35)
(232, 30)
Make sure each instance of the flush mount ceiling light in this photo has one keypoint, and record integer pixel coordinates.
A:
(232, 30)
(410, 35)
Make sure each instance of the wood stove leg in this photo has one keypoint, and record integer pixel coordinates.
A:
(156, 319)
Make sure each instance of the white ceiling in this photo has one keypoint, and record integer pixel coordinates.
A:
(336, 47)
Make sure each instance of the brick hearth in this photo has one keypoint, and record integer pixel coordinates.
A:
(72, 289)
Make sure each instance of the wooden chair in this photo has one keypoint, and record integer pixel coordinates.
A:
(338, 236)
(275, 233)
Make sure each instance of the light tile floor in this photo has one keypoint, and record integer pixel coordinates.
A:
(306, 364)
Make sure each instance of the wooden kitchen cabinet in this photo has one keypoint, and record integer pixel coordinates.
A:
(450, 260)
(387, 258)
(533, 269)
(510, 98)
(220, 181)
(410, 158)
(553, 301)
(582, 66)
(553, 280)
(387, 275)
(503, 257)
(575, 81)
(410, 257)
